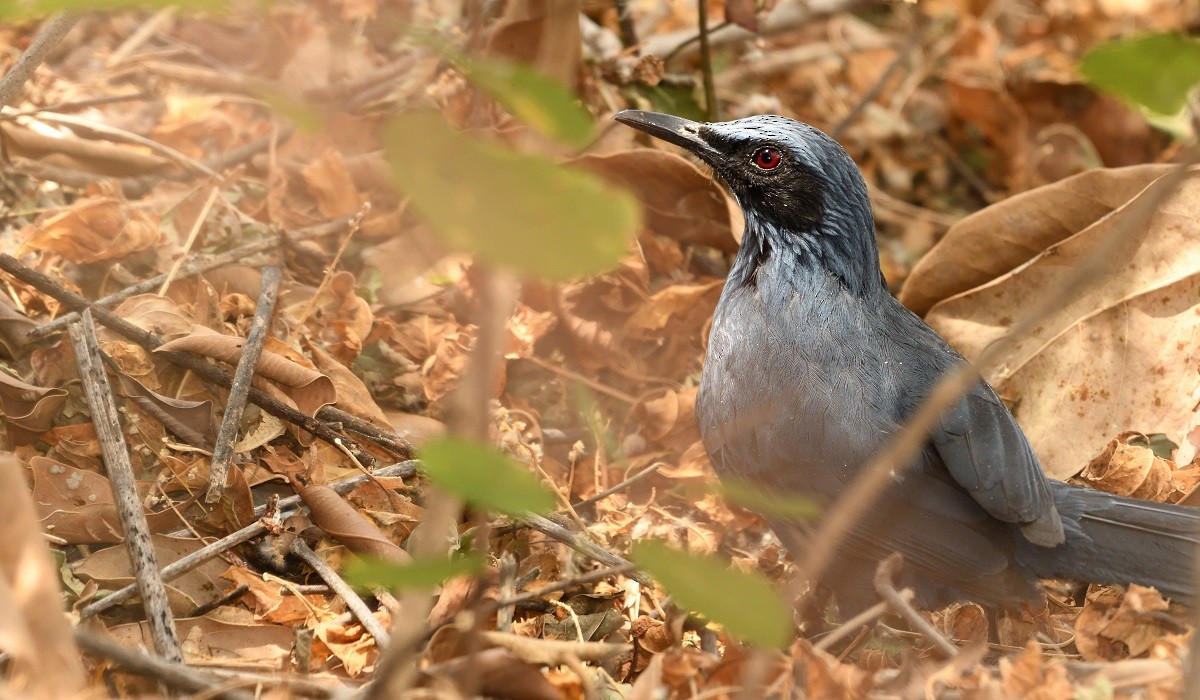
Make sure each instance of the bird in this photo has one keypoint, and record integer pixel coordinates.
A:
(811, 365)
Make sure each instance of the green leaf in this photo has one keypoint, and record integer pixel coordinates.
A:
(746, 604)
(23, 9)
(673, 99)
(417, 574)
(484, 478)
(520, 211)
(756, 498)
(540, 101)
(1155, 70)
(308, 118)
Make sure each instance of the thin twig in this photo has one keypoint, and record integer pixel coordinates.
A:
(192, 267)
(200, 367)
(52, 33)
(111, 133)
(197, 226)
(247, 364)
(138, 541)
(872, 93)
(172, 675)
(369, 622)
(580, 543)
(706, 68)
(652, 469)
(869, 615)
(185, 564)
(885, 574)
(589, 577)
(626, 26)
(906, 442)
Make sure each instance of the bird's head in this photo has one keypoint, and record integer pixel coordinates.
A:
(801, 193)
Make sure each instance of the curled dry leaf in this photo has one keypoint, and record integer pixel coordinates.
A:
(94, 229)
(14, 328)
(353, 396)
(1119, 356)
(826, 677)
(191, 421)
(341, 318)
(342, 522)
(27, 410)
(678, 199)
(1129, 467)
(1108, 633)
(1032, 675)
(525, 328)
(668, 413)
(331, 186)
(964, 622)
(308, 389)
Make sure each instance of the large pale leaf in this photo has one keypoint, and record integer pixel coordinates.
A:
(1119, 356)
(997, 239)
(520, 211)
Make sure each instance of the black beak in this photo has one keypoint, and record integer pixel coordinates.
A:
(676, 130)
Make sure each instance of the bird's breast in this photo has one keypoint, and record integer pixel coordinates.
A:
(794, 391)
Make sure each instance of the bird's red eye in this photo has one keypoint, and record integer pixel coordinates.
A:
(767, 158)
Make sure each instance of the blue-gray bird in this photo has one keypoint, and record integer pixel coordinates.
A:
(812, 365)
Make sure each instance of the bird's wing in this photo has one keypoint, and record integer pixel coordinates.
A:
(985, 452)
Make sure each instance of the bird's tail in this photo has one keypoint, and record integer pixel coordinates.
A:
(1119, 540)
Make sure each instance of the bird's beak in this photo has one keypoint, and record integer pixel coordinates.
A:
(676, 130)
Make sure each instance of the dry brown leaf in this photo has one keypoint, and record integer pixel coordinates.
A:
(826, 677)
(672, 302)
(342, 522)
(307, 388)
(35, 636)
(111, 569)
(269, 601)
(1120, 356)
(963, 622)
(94, 229)
(1108, 633)
(228, 636)
(1030, 675)
(74, 504)
(496, 673)
(999, 238)
(28, 410)
(1129, 467)
(14, 328)
(679, 200)
(331, 186)
(348, 642)
(191, 421)
(353, 396)
(414, 427)
(525, 328)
